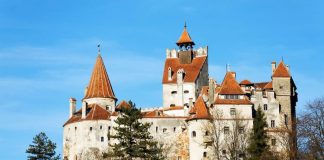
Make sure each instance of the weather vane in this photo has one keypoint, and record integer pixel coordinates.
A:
(99, 49)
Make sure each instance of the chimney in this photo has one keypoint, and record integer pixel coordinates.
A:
(211, 90)
(84, 109)
(180, 76)
(273, 66)
(72, 106)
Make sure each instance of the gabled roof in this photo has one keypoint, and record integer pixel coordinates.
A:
(246, 82)
(281, 71)
(123, 104)
(201, 110)
(185, 37)
(99, 86)
(230, 85)
(191, 70)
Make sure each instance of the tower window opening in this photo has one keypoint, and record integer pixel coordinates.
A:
(226, 130)
(164, 130)
(90, 128)
(273, 142)
(102, 139)
(100, 127)
(186, 91)
(205, 154)
(156, 129)
(173, 92)
(174, 129)
(193, 134)
(265, 107)
(273, 123)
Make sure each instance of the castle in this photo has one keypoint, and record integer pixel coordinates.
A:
(200, 118)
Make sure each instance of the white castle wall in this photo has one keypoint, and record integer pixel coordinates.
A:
(180, 98)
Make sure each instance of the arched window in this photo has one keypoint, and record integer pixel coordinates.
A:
(90, 128)
(206, 133)
(193, 134)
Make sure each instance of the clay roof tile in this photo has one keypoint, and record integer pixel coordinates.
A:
(230, 85)
(281, 71)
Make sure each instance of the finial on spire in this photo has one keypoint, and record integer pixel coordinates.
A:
(99, 49)
(185, 25)
(228, 68)
(282, 59)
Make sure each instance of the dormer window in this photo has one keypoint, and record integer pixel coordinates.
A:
(169, 74)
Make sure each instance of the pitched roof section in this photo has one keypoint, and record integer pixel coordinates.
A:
(201, 110)
(191, 70)
(230, 86)
(233, 101)
(246, 82)
(281, 71)
(99, 85)
(185, 37)
(95, 112)
(268, 86)
(123, 104)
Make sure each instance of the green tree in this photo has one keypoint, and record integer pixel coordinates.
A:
(258, 139)
(133, 136)
(42, 148)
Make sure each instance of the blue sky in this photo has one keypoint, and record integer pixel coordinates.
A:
(48, 49)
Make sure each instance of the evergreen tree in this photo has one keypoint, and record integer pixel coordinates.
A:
(133, 136)
(42, 148)
(258, 139)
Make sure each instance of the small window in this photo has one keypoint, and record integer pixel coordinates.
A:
(241, 155)
(193, 134)
(241, 130)
(174, 92)
(206, 133)
(90, 128)
(265, 107)
(205, 154)
(156, 129)
(286, 119)
(224, 152)
(273, 123)
(233, 112)
(164, 130)
(273, 142)
(102, 139)
(109, 128)
(172, 105)
(226, 130)
(186, 91)
(100, 127)
(75, 128)
(281, 87)
(174, 129)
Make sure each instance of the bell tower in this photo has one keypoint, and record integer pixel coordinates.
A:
(185, 45)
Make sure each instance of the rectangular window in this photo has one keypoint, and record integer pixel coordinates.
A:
(102, 139)
(226, 130)
(241, 130)
(273, 123)
(174, 129)
(286, 119)
(265, 107)
(273, 142)
(233, 112)
(164, 130)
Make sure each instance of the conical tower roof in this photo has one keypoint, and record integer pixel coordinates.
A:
(185, 37)
(281, 71)
(99, 86)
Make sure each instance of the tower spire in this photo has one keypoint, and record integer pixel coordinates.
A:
(185, 42)
(99, 49)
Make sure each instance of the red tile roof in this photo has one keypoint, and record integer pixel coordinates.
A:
(99, 85)
(230, 85)
(96, 113)
(233, 101)
(281, 71)
(246, 82)
(201, 111)
(268, 86)
(260, 85)
(185, 37)
(123, 104)
(191, 70)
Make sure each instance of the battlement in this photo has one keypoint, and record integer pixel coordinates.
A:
(174, 53)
